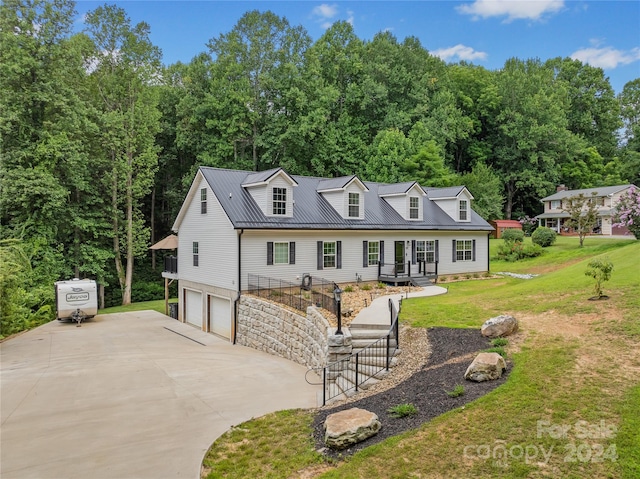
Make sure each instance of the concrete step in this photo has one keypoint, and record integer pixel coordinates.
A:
(381, 351)
(373, 361)
(347, 387)
(355, 326)
(365, 381)
(370, 333)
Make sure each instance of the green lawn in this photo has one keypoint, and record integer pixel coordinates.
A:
(575, 360)
(157, 305)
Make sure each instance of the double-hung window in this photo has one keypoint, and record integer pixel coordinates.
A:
(463, 210)
(329, 254)
(279, 201)
(203, 201)
(196, 255)
(354, 205)
(464, 250)
(374, 252)
(414, 207)
(555, 204)
(281, 253)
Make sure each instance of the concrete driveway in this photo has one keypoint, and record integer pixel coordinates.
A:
(125, 396)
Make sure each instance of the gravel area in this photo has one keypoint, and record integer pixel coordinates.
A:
(432, 362)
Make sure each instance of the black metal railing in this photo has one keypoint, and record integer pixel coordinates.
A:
(312, 291)
(171, 264)
(406, 270)
(352, 372)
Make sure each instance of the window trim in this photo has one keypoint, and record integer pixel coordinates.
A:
(464, 210)
(415, 208)
(279, 202)
(356, 196)
(328, 255)
(203, 201)
(373, 258)
(464, 250)
(195, 248)
(275, 252)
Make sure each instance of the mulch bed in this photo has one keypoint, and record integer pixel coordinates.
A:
(426, 390)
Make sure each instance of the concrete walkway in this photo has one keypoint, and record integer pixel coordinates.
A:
(124, 396)
(377, 313)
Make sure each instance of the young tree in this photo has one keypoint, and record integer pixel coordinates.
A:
(600, 270)
(583, 214)
(126, 66)
(627, 212)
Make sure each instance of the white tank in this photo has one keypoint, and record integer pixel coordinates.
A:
(76, 299)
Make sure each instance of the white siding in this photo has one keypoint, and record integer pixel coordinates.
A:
(217, 244)
(336, 200)
(352, 188)
(254, 253)
(259, 195)
(263, 195)
(399, 203)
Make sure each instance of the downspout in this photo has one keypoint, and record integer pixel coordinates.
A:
(236, 303)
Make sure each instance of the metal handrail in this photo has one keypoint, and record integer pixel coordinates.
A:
(384, 343)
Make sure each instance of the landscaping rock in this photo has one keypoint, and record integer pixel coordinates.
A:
(500, 326)
(485, 367)
(349, 427)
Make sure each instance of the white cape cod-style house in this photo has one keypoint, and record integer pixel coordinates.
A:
(605, 197)
(236, 223)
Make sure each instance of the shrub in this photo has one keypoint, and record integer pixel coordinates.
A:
(348, 289)
(600, 270)
(402, 410)
(515, 250)
(457, 391)
(499, 342)
(513, 234)
(497, 349)
(365, 287)
(544, 236)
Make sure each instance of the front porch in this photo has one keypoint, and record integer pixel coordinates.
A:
(419, 274)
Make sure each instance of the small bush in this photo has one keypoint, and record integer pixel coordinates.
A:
(365, 287)
(381, 285)
(402, 410)
(544, 236)
(348, 289)
(457, 391)
(513, 234)
(600, 270)
(499, 342)
(531, 251)
(515, 250)
(497, 349)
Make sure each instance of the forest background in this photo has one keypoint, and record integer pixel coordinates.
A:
(100, 141)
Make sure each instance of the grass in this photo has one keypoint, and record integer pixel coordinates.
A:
(402, 410)
(456, 391)
(573, 361)
(157, 305)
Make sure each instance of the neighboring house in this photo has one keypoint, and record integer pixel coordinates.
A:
(235, 223)
(606, 198)
(502, 225)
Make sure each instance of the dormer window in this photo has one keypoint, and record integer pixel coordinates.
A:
(203, 201)
(414, 208)
(463, 212)
(354, 205)
(279, 201)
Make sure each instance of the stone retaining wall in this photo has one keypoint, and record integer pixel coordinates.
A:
(268, 327)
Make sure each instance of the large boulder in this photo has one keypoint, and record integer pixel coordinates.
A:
(348, 427)
(485, 367)
(500, 326)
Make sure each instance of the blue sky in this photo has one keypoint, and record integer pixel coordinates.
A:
(604, 34)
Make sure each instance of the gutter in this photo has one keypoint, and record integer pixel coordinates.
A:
(489, 252)
(236, 303)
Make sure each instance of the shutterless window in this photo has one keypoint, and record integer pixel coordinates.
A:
(464, 204)
(414, 208)
(354, 205)
(329, 254)
(374, 252)
(279, 201)
(464, 250)
(555, 204)
(281, 253)
(203, 200)
(196, 255)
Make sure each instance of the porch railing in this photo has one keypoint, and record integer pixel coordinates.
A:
(171, 264)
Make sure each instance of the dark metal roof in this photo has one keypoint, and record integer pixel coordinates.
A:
(439, 193)
(334, 183)
(396, 188)
(312, 211)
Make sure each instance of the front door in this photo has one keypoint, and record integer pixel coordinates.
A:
(399, 257)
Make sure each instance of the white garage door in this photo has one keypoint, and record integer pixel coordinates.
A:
(193, 308)
(220, 316)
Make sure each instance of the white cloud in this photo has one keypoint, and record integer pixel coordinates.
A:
(606, 57)
(461, 52)
(350, 19)
(512, 9)
(325, 11)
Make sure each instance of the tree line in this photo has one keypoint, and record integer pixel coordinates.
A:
(100, 140)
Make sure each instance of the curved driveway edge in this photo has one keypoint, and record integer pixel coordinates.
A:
(124, 396)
